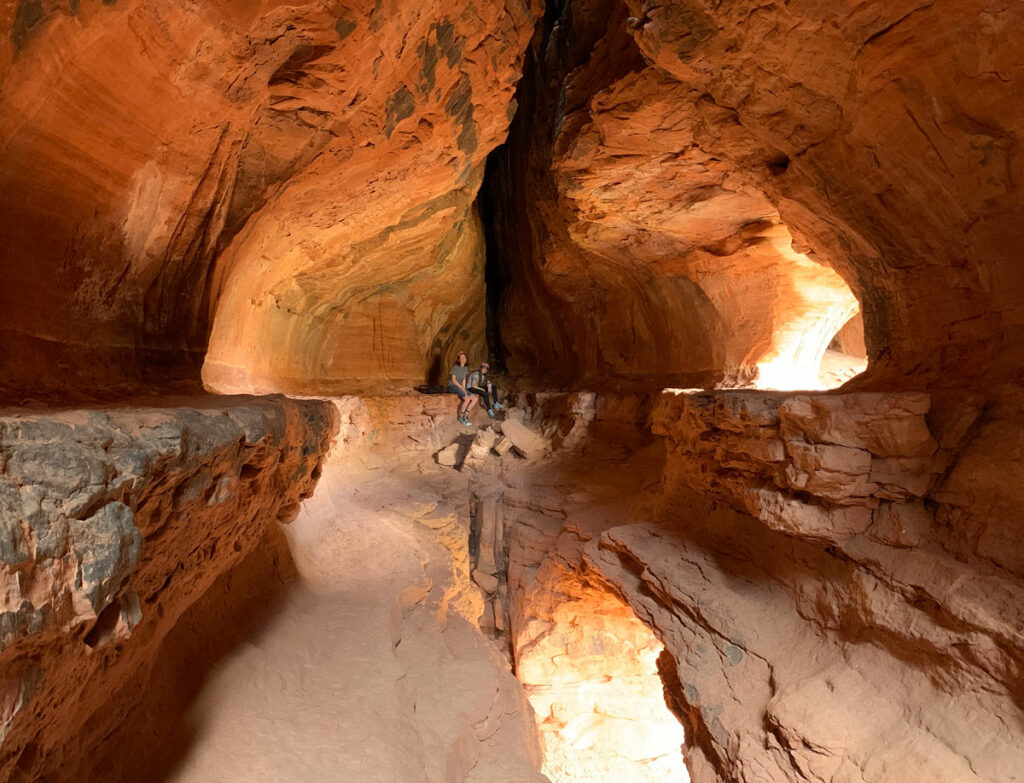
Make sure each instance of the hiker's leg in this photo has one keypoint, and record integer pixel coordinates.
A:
(461, 393)
(482, 394)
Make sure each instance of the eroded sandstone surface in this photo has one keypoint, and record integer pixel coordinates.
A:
(668, 151)
(302, 198)
(288, 185)
(114, 521)
(804, 560)
(370, 664)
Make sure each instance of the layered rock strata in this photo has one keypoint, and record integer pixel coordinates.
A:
(667, 151)
(834, 601)
(828, 603)
(608, 211)
(887, 136)
(587, 664)
(114, 522)
(290, 186)
(368, 666)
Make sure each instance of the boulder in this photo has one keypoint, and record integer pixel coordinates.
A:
(448, 456)
(524, 440)
(488, 582)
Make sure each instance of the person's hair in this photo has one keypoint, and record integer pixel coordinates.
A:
(458, 359)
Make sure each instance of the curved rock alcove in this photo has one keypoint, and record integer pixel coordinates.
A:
(747, 274)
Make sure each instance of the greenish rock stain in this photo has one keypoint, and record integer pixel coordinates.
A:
(460, 107)
(400, 106)
(733, 653)
(440, 42)
(344, 28)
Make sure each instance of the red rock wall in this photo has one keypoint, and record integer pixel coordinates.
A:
(114, 522)
(836, 578)
(633, 257)
(830, 610)
(295, 179)
(671, 148)
(899, 132)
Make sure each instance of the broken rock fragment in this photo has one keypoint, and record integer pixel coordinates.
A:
(524, 440)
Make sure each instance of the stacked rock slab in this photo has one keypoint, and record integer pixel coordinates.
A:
(112, 523)
(832, 576)
(822, 620)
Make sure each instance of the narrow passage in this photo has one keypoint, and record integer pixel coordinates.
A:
(372, 670)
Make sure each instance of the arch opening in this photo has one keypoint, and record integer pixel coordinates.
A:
(589, 668)
(821, 347)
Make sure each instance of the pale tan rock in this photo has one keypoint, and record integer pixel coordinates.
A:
(524, 440)
(479, 453)
(901, 524)
(804, 519)
(498, 609)
(488, 582)
(502, 446)
(448, 456)
(886, 425)
(489, 541)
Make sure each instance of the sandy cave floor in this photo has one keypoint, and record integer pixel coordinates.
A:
(372, 670)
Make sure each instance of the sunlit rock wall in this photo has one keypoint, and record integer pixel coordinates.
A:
(112, 523)
(632, 256)
(672, 149)
(296, 180)
(888, 136)
(837, 579)
(835, 602)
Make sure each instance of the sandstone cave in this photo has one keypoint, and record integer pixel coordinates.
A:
(748, 274)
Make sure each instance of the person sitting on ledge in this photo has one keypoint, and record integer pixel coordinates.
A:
(457, 385)
(480, 385)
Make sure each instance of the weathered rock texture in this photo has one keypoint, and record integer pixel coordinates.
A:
(588, 664)
(665, 151)
(831, 590)
(608, 212)
(368, 667)
(900, 144)
(294, 180)
(835, 578)
(112, 523)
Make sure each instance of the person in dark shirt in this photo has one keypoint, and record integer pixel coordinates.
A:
(479, 384)
(457, 385)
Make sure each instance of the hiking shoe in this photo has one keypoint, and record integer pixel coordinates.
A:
(490, 413)
(465, 420)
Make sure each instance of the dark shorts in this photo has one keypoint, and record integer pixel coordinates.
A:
(453, 389)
